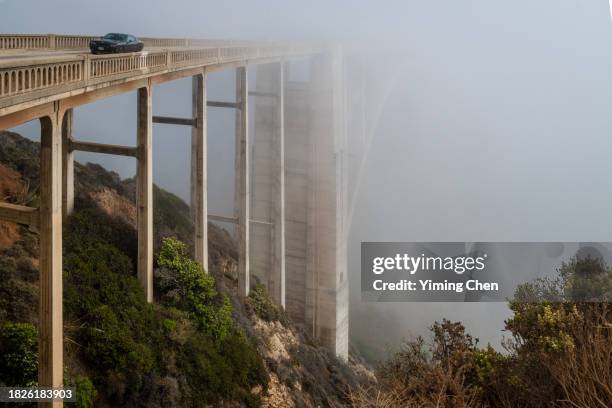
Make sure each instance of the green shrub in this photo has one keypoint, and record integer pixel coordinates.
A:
(85, 392)
(263, 306)
(227, 373)
(169, 324)
(102, 293)
(185, 285)
(90, 223)
(18, 288)
(248, 367)
(119, 334)
(18, 354)
(133, 346)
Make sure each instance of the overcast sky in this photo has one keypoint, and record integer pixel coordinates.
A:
(491, 118)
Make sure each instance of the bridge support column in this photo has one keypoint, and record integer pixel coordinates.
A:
(242, 192)
(317, 284)
(278, 264)
(268, 206)
(144, 191)
(327, 205)
(297, 142)
(67, 165)
(199, 184)
(50, 344)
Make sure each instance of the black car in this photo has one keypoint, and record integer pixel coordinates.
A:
(115, 42)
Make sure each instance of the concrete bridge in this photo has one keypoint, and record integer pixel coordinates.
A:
(290, 180)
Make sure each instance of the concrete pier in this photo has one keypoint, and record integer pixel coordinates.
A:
(144, 190)
(268, 185)
(199, 179)
(316, 200)
(297, 144)
(67, 165)
(328, 201)
(50, 340)
(242, 194)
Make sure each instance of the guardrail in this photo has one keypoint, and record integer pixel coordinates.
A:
(22, 76)
(76, 42)
(43, 41)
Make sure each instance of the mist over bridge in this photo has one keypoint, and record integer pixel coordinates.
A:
(291, 174)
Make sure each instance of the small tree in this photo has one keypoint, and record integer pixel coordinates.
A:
(18, 354)
(562, 336)
(185, 285)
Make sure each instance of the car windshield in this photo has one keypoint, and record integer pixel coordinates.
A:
(115, 37)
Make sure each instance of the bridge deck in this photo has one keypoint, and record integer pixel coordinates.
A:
(40, 72)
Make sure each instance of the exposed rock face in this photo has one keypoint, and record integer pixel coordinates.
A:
(301, 373)
(22, 156)
(12, 190)
(19, 169)
(114, 204)
(9, 233)
(11, 186)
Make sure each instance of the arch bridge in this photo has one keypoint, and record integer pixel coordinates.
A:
(290, 179)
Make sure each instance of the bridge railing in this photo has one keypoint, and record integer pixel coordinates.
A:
(35, 75)
(24, 42)
(77, 42)
(43, 41)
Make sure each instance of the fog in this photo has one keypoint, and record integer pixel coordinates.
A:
(485, 120)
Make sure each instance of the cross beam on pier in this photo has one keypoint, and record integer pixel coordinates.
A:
(264, 94)
(75, 145)
(168, 120)
(223, 218)
(19, 214)
(218, 104)
(235, 220)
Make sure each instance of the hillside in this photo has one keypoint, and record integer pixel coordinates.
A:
(199, 345)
